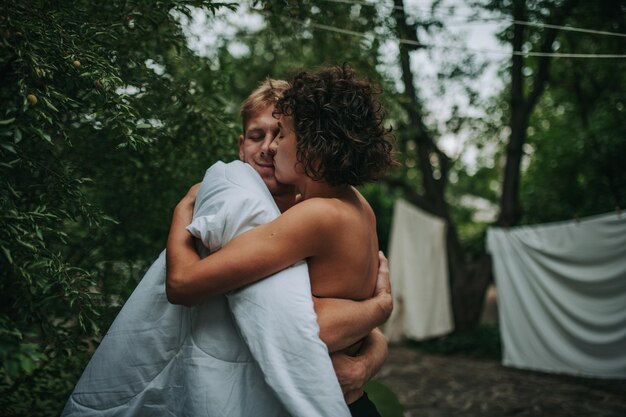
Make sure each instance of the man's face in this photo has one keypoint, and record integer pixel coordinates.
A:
(254, 148)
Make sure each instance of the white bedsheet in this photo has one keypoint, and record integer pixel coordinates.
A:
(419, 275)
(255, 352)
(562, 295)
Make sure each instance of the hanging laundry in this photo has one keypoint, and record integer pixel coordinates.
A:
(562, 295)
(419, 275)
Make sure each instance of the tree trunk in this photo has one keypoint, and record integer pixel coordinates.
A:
(469, 281)
(467, 284)
(522, 107)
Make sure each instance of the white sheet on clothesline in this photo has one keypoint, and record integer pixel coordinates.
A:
(562, 295)
(419, 275)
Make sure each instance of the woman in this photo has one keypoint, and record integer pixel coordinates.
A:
(331, 138)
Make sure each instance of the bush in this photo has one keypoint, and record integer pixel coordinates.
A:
(481, 342)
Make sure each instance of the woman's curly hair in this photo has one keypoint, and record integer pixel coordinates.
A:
(338, 123)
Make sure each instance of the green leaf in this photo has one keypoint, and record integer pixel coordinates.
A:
(17, 135)
(25, 244)
(15, 193)
(50, 105)
(43, 134)
(28, 365)
(7, 253)
(7, 121)
(9, 147)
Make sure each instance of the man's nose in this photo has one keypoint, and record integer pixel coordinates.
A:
(265, 146)
(273, 147)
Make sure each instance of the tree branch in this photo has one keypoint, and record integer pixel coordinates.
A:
(559, 15)
(410, 193)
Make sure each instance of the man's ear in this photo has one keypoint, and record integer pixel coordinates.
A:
(241, 139)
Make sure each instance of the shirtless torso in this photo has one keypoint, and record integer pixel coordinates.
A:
(348, 248)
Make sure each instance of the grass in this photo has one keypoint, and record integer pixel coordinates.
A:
(385, 400)
(481, 342)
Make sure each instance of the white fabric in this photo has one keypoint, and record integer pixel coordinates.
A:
(419, 275)
(562, 295)
(255, 352)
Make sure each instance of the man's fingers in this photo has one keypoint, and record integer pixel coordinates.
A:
(382, 282)
(349, 371)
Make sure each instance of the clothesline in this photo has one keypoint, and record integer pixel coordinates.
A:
(446, 47)
(516, 22)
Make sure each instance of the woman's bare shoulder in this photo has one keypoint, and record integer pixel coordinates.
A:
(319, 214)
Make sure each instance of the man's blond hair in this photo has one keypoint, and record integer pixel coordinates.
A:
(267, 93)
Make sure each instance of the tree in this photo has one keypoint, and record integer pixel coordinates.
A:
(107, 118)
(575, 134)
(522, 105)
(469, 277)
(467, 283)
(334, 32)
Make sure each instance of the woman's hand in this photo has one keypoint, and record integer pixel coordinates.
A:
(190, 198)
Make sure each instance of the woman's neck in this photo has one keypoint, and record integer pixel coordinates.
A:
(312, 189)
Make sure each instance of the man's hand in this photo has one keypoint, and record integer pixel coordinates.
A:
(354, 371)
(382, 292)
(383, 283)
(351, 373)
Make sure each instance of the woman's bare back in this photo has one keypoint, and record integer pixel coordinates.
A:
(347, 265)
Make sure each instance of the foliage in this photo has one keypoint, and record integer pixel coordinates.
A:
(44, 392)
(320, 33)
(576, 134)
(480, 342)
(385, 400)
(107, 118)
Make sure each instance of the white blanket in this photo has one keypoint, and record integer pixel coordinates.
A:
(419, 275)
(562, 295)
(255, 352)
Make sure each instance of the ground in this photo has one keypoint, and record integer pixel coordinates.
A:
(431, 385)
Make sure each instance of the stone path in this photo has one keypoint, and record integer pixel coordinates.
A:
(437, 386)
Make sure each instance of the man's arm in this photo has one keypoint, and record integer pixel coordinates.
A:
(344, 322)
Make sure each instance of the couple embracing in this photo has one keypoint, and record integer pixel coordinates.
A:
(258, 299)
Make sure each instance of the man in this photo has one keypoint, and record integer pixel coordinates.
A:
(162, 359)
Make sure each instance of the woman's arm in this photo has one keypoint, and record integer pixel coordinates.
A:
(180, 246)
(297, 234)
